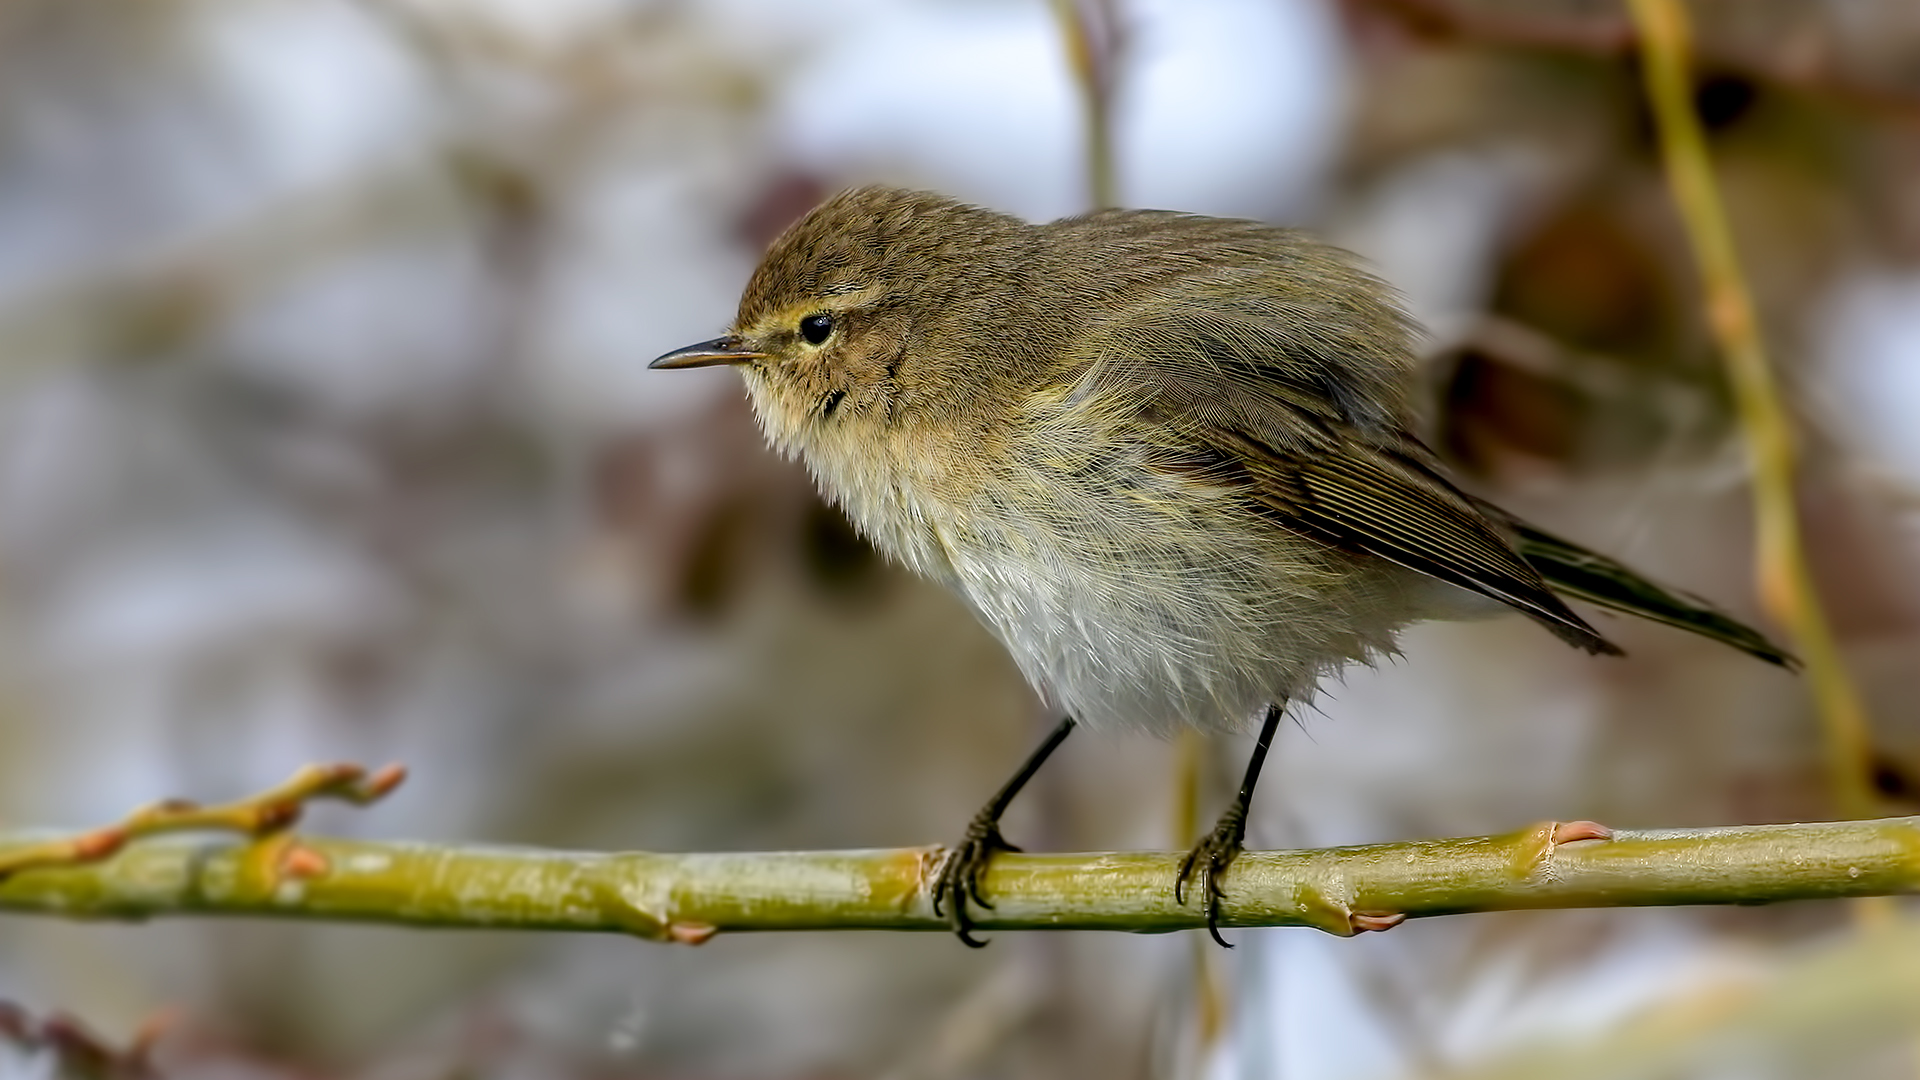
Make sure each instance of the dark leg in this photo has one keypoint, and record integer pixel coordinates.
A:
(961, 872)
(1211, 856)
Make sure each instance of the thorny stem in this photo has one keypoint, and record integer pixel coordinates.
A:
(689, 897)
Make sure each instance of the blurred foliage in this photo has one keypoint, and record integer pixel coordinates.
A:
(324, 434)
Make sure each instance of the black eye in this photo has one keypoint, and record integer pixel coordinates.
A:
(816, 328)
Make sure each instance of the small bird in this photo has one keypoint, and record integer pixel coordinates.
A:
(1164, 457)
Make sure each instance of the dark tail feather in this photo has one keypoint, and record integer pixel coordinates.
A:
(1574, 571)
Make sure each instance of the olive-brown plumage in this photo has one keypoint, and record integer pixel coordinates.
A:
(1165, 457)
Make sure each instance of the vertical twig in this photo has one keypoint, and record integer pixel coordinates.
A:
(1784, 579)
(1091, 32)
(1209, 998)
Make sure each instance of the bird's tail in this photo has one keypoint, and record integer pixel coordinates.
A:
(1575, 572)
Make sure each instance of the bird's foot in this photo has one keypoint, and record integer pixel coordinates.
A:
(1209, 860)
(962, 870)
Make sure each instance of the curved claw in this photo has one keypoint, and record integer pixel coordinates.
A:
(963, 874)
(1210, 858)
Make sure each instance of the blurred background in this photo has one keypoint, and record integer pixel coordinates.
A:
(325, 434)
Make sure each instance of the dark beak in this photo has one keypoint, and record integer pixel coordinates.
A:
(721, 350)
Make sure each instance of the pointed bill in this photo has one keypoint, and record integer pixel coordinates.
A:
(721, 350)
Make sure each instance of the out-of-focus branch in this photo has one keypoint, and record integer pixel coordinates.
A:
(1607, 35)
(1094, 42)
(1785, 580)
(270, 811)
(688, 898)
(1828, 1012)
(77, 1052)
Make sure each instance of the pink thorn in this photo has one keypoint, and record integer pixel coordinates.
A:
(691, 933)
(303, 862)
(1379, 923)
(1569, 832)
(99, 844)
(387, 778)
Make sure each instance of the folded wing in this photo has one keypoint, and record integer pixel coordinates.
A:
(1255, 400)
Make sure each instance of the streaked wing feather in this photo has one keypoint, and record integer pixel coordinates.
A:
(1358, 497)
(1592, 577)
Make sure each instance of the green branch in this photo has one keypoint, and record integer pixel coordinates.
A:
(690, 897)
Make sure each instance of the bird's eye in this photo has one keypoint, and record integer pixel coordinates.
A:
(816, 328)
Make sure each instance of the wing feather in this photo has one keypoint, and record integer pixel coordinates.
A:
(1360, 498)
(1284, 375)
(1601, 581)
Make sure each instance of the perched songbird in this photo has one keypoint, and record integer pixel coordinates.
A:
(1165, 458)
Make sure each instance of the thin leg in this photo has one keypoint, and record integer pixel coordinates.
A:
(960, 875)
(1212, 855)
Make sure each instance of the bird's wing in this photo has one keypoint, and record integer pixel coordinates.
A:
(1272, 411)
(1590, 576)
(1290, 386)
(1359, 497)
